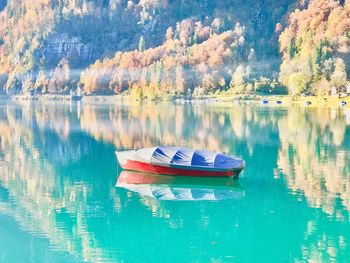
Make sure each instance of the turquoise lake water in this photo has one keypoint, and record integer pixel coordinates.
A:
(59, 201)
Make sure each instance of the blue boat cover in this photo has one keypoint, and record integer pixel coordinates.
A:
(188, 157)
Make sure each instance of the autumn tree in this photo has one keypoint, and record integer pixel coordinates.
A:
(339, 76)
(298, 83)
(238, 79)
(180, 79)
(41, 82)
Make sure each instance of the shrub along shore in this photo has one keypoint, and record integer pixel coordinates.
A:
(266, 100)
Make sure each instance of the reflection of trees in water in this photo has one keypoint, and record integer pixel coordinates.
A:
(43, 144)
(215, 128)
(209, 127)
(315, 160)
(44, 200)
(53, 159)
(314, 155)
(323, 242)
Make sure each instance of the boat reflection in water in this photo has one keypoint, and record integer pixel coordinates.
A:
(165, 187)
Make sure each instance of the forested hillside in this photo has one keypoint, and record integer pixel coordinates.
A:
(158, 47)
(316, 48)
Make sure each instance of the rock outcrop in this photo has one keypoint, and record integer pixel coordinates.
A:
(63, 46)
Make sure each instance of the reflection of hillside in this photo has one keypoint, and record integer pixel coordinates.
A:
(54, 182)
(53, 131)
(62, 198)
(309, 141)
(209, 127)
(215, 128)
(44, 201)
(315, 159)
(329, 245)
(41, 145)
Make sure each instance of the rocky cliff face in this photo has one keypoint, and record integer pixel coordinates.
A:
(62, 46)
(79, 52)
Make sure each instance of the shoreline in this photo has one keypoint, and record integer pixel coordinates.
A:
(266, 100)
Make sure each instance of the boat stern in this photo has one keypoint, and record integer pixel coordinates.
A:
(239, 167)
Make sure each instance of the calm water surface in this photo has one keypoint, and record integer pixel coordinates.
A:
(59, 201)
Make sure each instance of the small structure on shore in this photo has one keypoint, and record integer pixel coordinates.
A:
(76, 95)
(334, 91)
(348, 89)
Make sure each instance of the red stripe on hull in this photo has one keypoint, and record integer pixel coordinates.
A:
(150, 168)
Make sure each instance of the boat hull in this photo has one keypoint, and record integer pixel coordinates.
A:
(133, 165)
